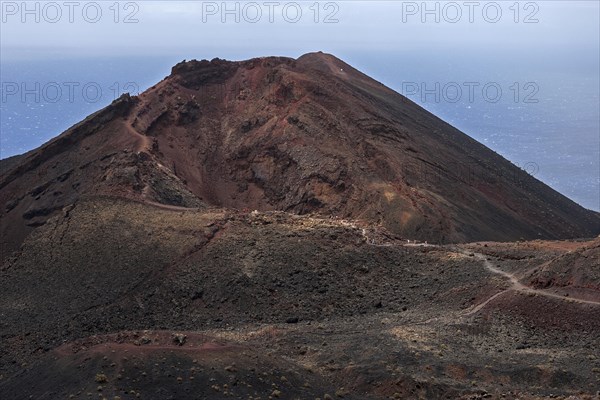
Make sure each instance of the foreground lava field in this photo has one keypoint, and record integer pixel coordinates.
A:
(147, 301)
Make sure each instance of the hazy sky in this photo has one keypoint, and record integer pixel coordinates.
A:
(195, 27)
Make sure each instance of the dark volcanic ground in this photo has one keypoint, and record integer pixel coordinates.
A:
(116, 298)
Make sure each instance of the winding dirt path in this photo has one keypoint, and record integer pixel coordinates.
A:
(169, 206)
(143, 142)
(517, 286)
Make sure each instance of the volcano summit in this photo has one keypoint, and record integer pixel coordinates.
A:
(311, 135)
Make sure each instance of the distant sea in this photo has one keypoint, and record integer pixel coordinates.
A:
(550, 127)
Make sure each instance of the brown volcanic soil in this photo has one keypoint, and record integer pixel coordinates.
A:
(568, 268)
(302, 136)
(335, 306)
(136, 225)
(151, 364)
